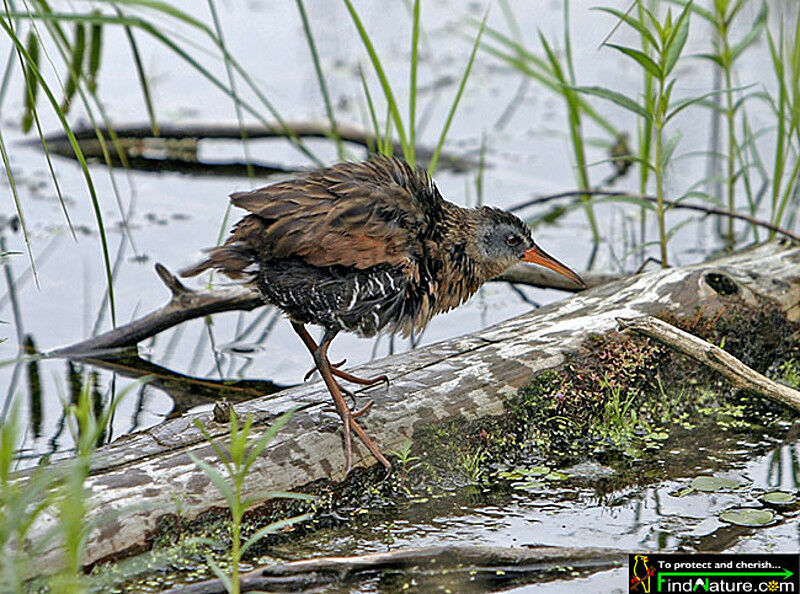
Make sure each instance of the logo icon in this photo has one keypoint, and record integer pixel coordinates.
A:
(640, 582)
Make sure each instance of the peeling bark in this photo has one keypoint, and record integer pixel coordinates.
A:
(141, 477)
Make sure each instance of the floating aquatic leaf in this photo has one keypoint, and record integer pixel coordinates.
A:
(709, 484)
(529, 485)
(779, 498)
(511, 475)
(536, 471)
(748, 517)
(556, 476)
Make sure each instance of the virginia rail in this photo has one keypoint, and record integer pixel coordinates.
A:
(367, 247)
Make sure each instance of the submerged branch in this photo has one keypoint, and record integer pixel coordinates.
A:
(725, 364)
(188, 304)
(454, 558)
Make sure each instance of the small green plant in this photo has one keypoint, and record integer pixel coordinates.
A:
(785, 53)
(790, 372)
(667, 38)
(21, 503)
(473, 465)
(406, 460)
(725, 53)
(87, 425)
(237, 459)
(619, 413)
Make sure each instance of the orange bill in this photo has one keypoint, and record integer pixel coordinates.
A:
(537, 255)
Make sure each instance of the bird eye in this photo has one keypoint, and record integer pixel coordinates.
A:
(513, 240)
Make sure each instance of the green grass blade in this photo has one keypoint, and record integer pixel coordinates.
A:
(622, 100)
(642, 58)
(677, 40)
(75, 65)
(95, 51)
(454, 106)
(31, 89)
(412, 94)
(371, 108)
(387, 89)
(273, 528)
(629, 20)
(12, 184)
(323, 86)
(81, 159)
(752, 36)
(141, 76)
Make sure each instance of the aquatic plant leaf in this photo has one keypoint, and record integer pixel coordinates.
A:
(710, 484)
(779, 498)
(273, 528)
(748, 517)
(536, 471)
(631, 22)
(753, 35)
(676, 41)
(618, 98)
(642, 58)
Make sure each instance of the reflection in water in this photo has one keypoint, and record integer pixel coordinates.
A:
(185, 391)
(34, 388)
(88, 375)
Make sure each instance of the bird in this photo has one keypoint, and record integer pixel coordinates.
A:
(366, 247)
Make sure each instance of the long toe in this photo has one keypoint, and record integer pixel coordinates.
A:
(364, 381)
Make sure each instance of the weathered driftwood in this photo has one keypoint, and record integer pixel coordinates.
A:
(730, 367)
(144, 476)
(449, 558)
(186, 304)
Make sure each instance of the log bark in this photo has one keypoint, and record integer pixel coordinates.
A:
(143, 476)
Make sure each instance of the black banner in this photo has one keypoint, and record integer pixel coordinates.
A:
(701, 573)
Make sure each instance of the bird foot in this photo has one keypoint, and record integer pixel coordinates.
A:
(349, 377)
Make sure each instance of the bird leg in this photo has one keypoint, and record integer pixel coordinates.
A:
(308, 340)
(320, 354)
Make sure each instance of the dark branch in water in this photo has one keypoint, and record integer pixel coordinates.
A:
(185, 304)
(468, 560)
(180, 144)
(188, 304)
(709, 210)
(727, 365)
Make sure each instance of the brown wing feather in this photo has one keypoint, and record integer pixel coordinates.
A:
(351, 214)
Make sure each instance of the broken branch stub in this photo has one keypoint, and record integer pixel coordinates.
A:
(736, 372)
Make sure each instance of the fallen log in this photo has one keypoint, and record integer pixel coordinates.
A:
(452, 558)
(142, 477)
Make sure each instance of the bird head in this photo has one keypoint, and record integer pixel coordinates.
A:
(503, 240)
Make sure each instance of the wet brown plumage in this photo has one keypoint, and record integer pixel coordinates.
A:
(366, 247)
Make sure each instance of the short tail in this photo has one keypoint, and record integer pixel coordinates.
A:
(234, 261)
